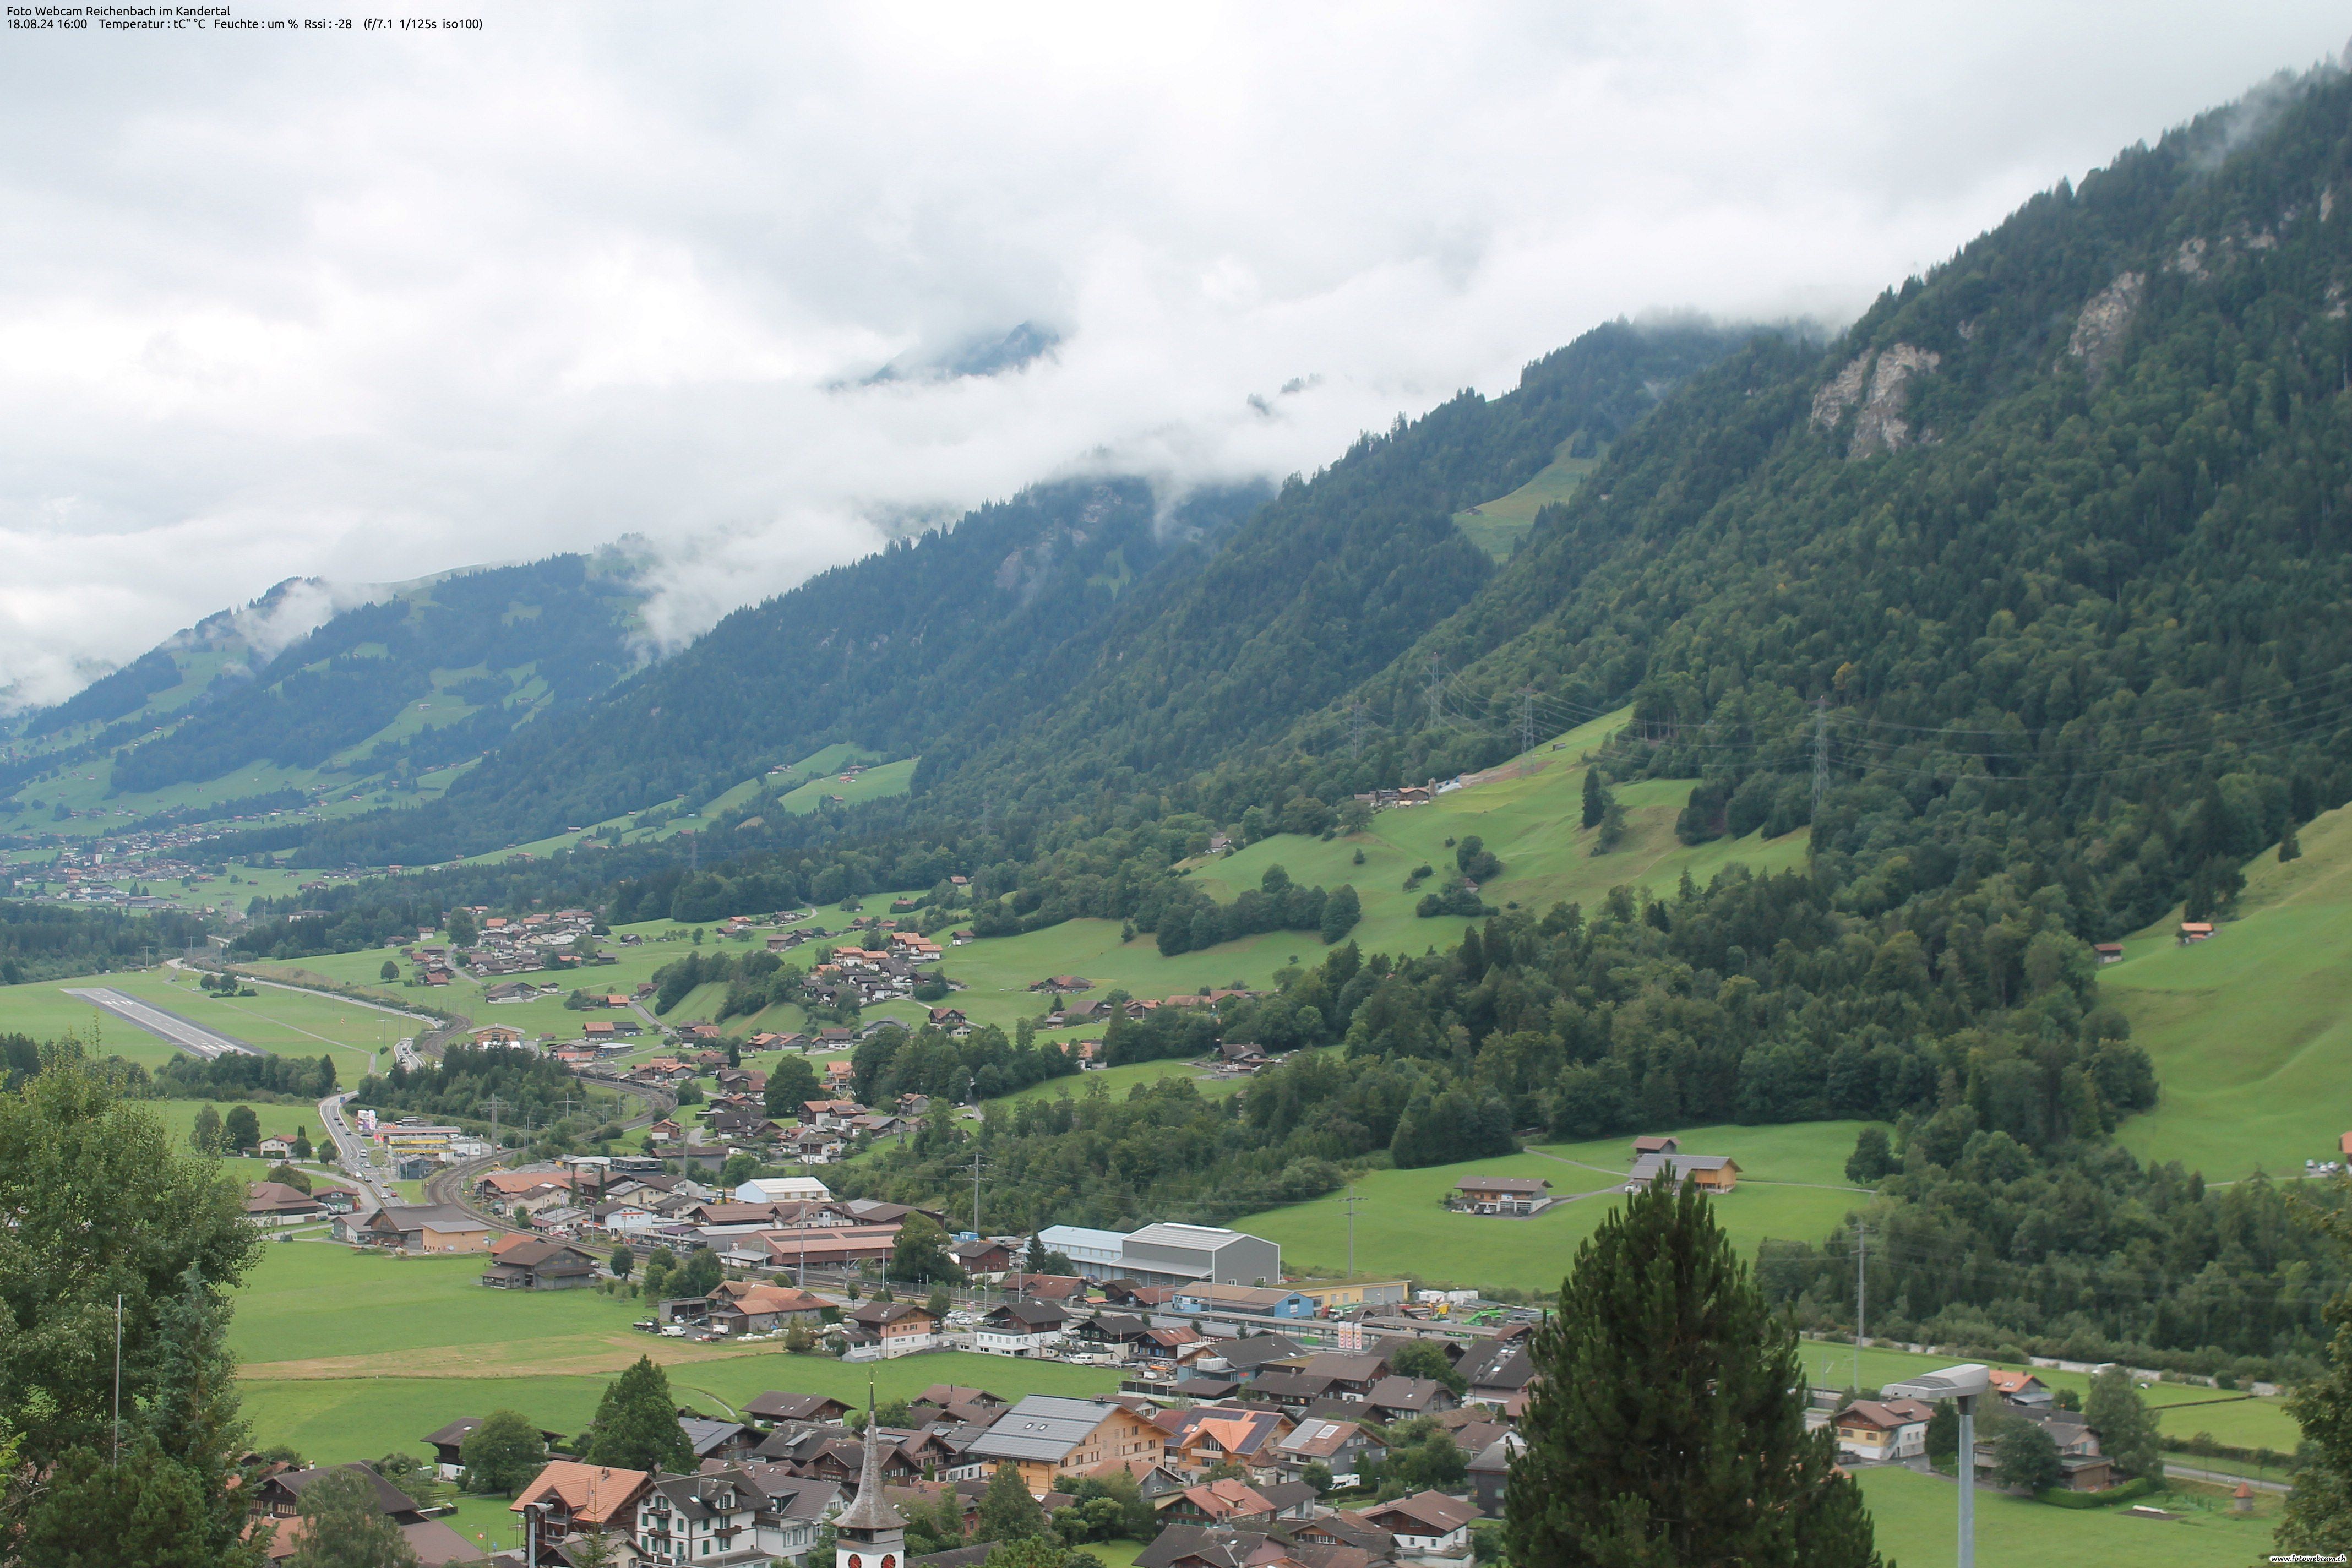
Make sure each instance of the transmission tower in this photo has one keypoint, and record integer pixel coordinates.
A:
(1526, 718)
(1820, 751)
(1356, 729)
(1436, 693)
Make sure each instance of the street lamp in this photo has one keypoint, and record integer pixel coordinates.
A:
(1962, 1384)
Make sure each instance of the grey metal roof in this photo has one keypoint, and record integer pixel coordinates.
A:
(1042, 1426)
(1199, 1237)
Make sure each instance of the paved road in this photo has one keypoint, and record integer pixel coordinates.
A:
(352, 1151)
(192, 1038)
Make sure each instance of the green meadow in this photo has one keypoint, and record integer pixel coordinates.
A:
(1497, 526)
(1531, 819)
(1792, 1185)
(2183, 1409)
(2251, 1032)
(1916, 1518)
(349, 1355)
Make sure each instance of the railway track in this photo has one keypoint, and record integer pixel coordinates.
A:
(455, 1184)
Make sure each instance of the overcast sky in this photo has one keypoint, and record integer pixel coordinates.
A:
(368, 306)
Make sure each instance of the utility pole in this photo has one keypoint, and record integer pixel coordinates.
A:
(1350, 1202)
(1861, 1286)
(975, 1187)
(118, 1383)
(1821, 750)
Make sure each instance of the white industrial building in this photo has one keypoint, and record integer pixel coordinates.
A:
(1168, 1254)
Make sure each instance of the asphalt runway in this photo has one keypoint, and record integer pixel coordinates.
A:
(191, 1038)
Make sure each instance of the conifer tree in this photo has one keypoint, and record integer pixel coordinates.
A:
(1667, 1427)
(636, 1426)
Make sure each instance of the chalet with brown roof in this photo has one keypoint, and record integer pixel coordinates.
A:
(1402, 1398)
(541, 1265)
(1503, 1194)
(275, 1202)
(742, 1307)
(1425, 1522)
(1876, 1429)
(1225, 1502)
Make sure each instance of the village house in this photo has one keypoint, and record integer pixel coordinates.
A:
(1402, 1398)
(1337, 1445)
(1264, 1301)
(896, 1328)
(2022, 1389)
(430, 1227)
(1428, 1522)
(1873, 1429)
(278, 1499)
(740, 1307)
(706, 1518)
(1352, 1375)
(448, 1446)
(567, 1499)
(1709, 1172)
(1045, 1434)
(1224, 1502)
(774, 1407)
(1503, 1194)
(1206, 1435)
(274, 1204)
(541, 1265)
(984, 1259)
(1021, 1328)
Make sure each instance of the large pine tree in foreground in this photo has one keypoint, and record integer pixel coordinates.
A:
(1668, 1425)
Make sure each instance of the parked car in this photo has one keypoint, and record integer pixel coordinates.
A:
(649, 1326)
(674, 1332)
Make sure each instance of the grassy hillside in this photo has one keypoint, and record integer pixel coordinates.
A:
(1792, 1185)
(2252, 1031)
(1497, 526)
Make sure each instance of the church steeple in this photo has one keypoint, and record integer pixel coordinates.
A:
(869, 1533)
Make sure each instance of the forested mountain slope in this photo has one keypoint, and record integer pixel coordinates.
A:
(884, 653)
(1076, 639)
(421, 677)
(1335, 578)
(2045, 559)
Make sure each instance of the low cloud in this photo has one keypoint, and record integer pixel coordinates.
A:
(363, 314)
